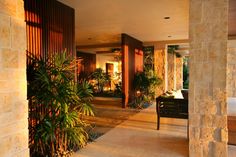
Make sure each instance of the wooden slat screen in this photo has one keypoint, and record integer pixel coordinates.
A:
(50, 27)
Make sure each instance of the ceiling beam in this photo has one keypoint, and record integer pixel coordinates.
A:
(112, 45)
(103, 52)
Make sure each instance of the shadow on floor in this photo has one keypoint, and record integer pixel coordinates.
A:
(108, 114)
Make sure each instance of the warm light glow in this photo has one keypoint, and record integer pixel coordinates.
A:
(138, 93)
(138, 60)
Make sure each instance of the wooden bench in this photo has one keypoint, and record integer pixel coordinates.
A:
(171, 108)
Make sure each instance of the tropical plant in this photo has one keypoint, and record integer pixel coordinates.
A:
(118, 89)
(102, 78)
(172, 49)
(148, 57)
(85, 92)
(186, 73)
(57, 105)
(144, 84)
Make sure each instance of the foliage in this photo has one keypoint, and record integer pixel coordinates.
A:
(112, 93)
(145, 82)
(57, 106)
(144, 85)
(83, 76)
(172, 48)
(118, 89)
(101, 78)
(149, 57)
(186, 73)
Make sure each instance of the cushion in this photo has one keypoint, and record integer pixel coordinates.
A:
(178, 94)
(231, 106)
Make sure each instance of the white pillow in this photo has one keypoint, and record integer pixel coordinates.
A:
(178, 94)
(232, 106)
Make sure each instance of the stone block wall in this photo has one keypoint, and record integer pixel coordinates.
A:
(161, 61)
(231, 69)
(13, 85)
(159, 67)
(179, 73)
(171, 68)
(207, 95)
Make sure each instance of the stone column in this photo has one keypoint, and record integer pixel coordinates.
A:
(179, 73)
(231, 88)
(13, 86)
(159, 67)
(208, 60)
(171, 71)
(231, 69)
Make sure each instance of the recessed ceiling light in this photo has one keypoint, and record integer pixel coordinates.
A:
(167, 17)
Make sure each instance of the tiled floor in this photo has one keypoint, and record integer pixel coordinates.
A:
(135, 135)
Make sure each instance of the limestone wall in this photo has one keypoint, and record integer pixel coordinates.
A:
(179, 73)
(13, 103)
(160, 62)
(171, 71)
(231, 69)
(207, 92)
(159, 67)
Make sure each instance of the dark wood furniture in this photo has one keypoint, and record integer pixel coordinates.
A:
(171, 108)
(231, 130)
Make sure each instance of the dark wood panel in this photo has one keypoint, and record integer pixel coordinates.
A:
(232, 130)
(87, 64)
(171, 108)
(232, 18)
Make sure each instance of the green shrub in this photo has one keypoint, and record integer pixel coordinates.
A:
(101, 79)
(144, 84)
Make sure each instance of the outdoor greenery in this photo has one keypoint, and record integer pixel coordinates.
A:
(149, 57)
(185, 73)
(57, 106)
(117, 92)
(144, 85)
(145, 82)
(172, 48)
(101, 79)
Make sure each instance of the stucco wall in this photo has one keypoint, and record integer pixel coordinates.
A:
(208, 36)
(13, 103)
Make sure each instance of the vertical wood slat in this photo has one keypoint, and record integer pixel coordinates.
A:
(50, 29)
